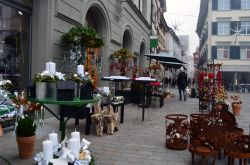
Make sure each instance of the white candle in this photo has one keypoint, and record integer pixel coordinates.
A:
(76, 135)
(74, 147)
(51, 67)
(47, 150)
(54, 138)
(80, 70)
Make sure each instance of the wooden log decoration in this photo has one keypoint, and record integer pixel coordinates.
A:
(110, 120)
(97, 119)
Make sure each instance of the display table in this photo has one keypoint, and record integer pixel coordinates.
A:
(144, 81)
(75, 103)
(117, 80)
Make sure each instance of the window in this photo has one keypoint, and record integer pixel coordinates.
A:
(245, 4)
(222, 52)
(223, 4)
(223, 28)
(14, 45)
(245, 27)
(245, 52)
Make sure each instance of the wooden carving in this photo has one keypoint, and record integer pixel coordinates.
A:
(110, 120)
(97, 119)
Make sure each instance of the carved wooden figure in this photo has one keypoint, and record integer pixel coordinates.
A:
(97, 119)
(110, 120)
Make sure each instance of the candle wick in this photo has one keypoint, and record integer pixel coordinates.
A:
(75, 129)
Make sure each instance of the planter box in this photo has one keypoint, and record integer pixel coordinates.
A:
(65, 90)
(45, 90)
(86, 91)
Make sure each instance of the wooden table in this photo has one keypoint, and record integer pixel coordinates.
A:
(76, 103)
(144, 81)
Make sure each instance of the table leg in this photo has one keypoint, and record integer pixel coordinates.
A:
(240, 161)
(122, 113)
(143, 101)
(203, 158)
(245, 161)
(88, 121)
(192, 158)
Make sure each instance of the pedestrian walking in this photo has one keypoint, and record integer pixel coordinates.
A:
(182, 83)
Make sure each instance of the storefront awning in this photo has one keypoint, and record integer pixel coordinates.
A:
(175, 65)
(164, 57)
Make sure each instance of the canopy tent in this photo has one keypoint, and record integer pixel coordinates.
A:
(175, 65)
(164, 57)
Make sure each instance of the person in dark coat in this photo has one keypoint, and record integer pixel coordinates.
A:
(182, 83)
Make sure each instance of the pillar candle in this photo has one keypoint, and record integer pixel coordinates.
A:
(51, 67)
(76, 135)
(80, 70)
(47, 150)
(54, 138)
(74, 147)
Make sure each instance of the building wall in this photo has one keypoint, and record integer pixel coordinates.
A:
(52, 18)
(233, 65)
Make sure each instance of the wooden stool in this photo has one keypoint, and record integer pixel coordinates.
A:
(203, 151)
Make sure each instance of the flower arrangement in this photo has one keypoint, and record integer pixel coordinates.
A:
(79, 79)
(6, 85)
(220, 95)
(236, 99)
(45, 77)
(122, 64)
(155, 66)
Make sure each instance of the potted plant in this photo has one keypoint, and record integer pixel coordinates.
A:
(236, 104)
(25, 136)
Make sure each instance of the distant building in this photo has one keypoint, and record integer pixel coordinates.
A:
(184, 39)
(224, 31)
(196, 58)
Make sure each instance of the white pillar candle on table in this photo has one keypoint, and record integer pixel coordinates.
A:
(80, 70)
(51, 67)
(76, 135)
(74, 147)
(47, 150)
(54, 138)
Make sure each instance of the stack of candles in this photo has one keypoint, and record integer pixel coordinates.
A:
(74, 143)
(50, 146)
(51, 67)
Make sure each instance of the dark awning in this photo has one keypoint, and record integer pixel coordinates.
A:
(175, 65)
(164, 57)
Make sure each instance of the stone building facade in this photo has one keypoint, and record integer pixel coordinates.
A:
(122, 24)
(223, 28)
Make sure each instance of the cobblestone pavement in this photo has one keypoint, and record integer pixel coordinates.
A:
(136, 142)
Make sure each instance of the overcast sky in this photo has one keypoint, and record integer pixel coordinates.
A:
(184, 13)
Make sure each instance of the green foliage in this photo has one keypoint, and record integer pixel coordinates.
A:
(84, 36)
(40, 77)
(25, 127)
(122, 54)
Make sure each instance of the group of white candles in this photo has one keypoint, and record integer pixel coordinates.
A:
(50, 145)
(51, 68)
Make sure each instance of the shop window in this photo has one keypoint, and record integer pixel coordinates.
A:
(245, 52)
(224, 4)
(14, 45)
(222, 52)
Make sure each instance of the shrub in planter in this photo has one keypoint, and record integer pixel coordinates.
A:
(25, 137)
